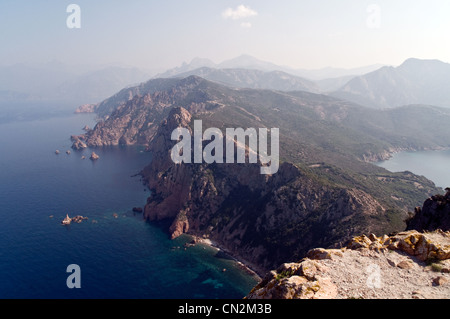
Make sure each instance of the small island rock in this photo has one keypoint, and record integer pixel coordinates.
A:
(94, 156)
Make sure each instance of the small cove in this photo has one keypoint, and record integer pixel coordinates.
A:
(434, 165)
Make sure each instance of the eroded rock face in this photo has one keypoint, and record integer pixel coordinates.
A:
(368, 267)
(137, 113)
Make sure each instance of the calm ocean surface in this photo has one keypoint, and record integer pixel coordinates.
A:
(435, 165)
(123, 257)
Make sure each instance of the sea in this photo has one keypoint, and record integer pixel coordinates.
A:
(119, 254)
(435, 165)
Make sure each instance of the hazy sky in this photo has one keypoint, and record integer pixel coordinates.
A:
(162, 34)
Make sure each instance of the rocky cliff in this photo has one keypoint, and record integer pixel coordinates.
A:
(407, 265)
(434, 214)
(133, 115)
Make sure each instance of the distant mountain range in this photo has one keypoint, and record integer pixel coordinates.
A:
(57, 81)
(414, 82)
(255, 79)
(252, 63)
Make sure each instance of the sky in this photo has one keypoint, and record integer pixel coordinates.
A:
(151, 34)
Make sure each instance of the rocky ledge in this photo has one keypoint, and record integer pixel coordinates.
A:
(407, 265)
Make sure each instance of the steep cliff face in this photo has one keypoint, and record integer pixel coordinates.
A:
(434, 214)
(261, 218)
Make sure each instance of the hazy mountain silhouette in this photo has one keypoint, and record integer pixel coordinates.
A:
(248, 62)
(414, 82)
(255, 79)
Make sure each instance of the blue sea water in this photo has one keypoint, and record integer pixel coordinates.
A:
(432, 164)
(120, 255)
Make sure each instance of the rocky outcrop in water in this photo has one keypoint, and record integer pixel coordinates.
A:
(77, 219)
(86, 108)
(78, 144)
(94, 156)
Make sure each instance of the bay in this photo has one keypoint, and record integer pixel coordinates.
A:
(432, 164)
(120, 254)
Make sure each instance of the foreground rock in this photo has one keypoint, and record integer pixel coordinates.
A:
(408, 265)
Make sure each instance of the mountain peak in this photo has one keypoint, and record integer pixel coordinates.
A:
(415, 81)
(248, 62)
(415, 62)
(202, 62)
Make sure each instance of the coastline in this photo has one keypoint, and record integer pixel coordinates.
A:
(389, 153)
(244, 265)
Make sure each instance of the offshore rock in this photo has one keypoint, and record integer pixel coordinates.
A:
(94, 156)
(86, 108)
(78, 144)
